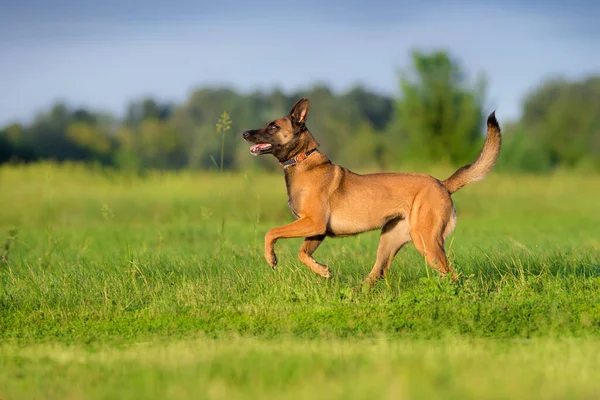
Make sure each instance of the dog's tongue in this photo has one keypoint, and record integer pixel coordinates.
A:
(260, 146)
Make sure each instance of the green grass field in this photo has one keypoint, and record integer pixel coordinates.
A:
(115, 286)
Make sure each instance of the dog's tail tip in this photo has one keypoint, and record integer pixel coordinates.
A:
(492, 122)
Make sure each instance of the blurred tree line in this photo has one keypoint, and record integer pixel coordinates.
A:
(439, 117)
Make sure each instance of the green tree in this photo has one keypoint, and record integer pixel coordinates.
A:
(14, 147)
(563, 118)
(440, 114)
(139, 110)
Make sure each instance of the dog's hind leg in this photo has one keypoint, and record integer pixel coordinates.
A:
(309, 246)
(429, 233)
(394, 235)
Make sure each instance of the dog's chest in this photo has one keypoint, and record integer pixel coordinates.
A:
(294, 198)
(295, 202)
(292, 208)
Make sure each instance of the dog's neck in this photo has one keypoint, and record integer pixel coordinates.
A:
(299, 158)
(307, 144)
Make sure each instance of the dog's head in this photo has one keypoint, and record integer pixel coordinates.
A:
(283, 137)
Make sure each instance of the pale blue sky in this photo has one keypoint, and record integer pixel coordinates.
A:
(103, 54)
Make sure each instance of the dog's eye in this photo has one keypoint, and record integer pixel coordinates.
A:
(273, 127)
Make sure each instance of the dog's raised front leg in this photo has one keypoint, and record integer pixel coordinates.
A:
(304, 227)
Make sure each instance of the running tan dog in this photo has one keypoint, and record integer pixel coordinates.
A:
(330, 200)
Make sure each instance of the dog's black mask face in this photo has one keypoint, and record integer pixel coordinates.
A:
(280, 137)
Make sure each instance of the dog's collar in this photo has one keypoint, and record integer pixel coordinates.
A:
(298, 158)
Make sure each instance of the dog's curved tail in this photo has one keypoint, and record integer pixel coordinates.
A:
(485, 162)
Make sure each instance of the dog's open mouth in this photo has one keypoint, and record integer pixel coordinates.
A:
(260, 148)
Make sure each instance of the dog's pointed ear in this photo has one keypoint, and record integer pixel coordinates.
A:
(299, 111)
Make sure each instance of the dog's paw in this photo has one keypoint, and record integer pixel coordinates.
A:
(326, 274)
(271, 259)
